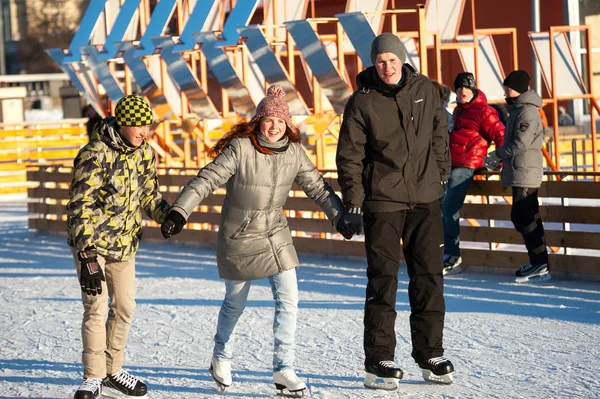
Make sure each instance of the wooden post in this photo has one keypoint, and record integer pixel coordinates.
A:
(422, 40)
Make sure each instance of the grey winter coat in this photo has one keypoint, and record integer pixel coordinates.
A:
(521, 153)
(254, 240)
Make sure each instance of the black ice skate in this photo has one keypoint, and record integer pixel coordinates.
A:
(288, 384)
(124, 385)
(452, 265)
(383, 375)
(220, 369)
(437, 369)
(90, 388)
(533, 274)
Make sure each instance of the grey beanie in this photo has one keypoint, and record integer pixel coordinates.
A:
(388, 43)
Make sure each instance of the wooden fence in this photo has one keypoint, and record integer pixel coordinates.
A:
(571, 211)
(36, 142)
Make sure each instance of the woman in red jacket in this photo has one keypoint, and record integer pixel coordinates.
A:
(476, 125)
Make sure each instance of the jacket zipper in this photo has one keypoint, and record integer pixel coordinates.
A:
(277, 261)
(242, 228)
(411, 205)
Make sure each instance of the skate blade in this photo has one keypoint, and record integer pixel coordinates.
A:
(220, 386)
(428, 375)
(373, 382)
(108, 392)
(291, 394)
(538, 278)
(454, 270)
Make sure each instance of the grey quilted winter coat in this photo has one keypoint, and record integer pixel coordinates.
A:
(254, 240)
(521, 153)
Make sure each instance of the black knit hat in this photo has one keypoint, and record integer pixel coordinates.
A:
(133, 110)
(388, 43)
(465, 79)
(518, 81)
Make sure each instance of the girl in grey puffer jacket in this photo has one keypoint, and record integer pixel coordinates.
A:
(259, 160)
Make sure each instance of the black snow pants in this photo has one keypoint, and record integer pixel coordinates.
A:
(421, 231)
(525, 215)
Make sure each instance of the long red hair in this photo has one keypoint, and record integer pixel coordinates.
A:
(251, 129)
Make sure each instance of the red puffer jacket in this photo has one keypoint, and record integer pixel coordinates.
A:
(476, 124)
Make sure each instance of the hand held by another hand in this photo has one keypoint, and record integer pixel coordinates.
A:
(492, 162)
(172, 225)
(350, 223)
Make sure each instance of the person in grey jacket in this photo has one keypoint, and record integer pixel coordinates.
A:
(522, 169)
(259, 160)
(393, 161)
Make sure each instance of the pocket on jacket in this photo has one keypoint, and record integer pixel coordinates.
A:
(242, 228)
(243, 247)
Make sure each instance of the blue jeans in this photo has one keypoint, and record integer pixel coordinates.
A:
(285, 294)
(458, 185)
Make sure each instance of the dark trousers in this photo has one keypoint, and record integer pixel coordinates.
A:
(525, 215)
(422, 235)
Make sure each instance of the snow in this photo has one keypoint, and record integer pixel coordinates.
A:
(43, 115)
(506, 340)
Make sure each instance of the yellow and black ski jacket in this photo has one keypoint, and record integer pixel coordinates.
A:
(112, 183)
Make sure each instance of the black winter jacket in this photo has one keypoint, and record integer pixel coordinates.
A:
(393, 146)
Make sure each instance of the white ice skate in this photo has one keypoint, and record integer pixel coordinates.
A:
(220, 370)
(288, 384)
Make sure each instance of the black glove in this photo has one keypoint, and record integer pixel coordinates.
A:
(172, 225)
(91, 275)
(350, 223)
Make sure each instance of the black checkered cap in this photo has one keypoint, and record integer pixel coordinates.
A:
(133, 110)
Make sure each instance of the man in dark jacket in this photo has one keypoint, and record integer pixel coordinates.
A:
(392, 158)
(476, 125)
(522, 170)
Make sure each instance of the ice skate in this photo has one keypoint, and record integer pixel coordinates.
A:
(221, 372)
(383, 375)
(452, 265)
(288, 384)
(123, 385)
(90, 388)
(438, 370)
(533, 274)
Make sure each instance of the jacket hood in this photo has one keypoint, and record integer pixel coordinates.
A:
(106, 131)
(369, 79)
(479, 98)
(529, 97)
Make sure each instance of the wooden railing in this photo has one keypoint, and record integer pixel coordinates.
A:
(492, 246)
(36, 142)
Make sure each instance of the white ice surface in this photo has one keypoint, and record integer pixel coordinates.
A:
(506, 340)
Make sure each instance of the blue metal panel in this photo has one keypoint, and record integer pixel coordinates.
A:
(225, 73)
(185, 79)
(144, 81)
(86, 28)
(271, 67)
(103, 73)
(239, 16)
(195, 23)
(314, 53)
(159, 20)
(58, 56)
(360, 33)
(119, 29)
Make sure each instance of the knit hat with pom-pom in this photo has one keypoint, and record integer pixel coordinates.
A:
(274, 105)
